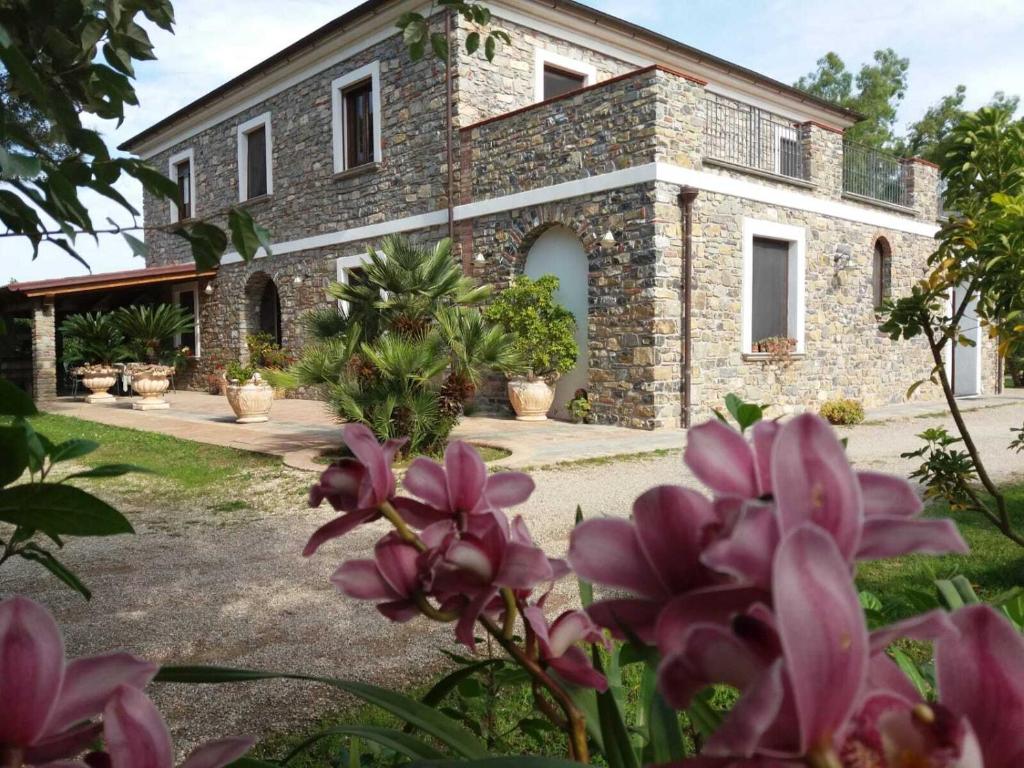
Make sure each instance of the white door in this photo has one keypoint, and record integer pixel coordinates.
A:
(967, 360)
(559, 252)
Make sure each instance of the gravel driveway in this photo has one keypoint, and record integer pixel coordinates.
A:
(230, 588)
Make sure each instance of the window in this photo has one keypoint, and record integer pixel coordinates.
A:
(881, 272)
(351, 270)
(788, 153)
(356, 118)
(255, 152)
(556, 75)
(773, 283)
(187, 297)
(181, 170)
(559, 81)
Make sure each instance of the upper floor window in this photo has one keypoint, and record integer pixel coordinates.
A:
(181, 169)
(255, 150)
(773, 285)
(355, 115)
(556, 75)
(881, 272)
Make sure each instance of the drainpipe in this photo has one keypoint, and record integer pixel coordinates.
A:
(449, 106)
(686, 197)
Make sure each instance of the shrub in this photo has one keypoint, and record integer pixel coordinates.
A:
(579, 407)
(150, 330)
(92, 338)
(235, 371)
(544, 330)
(842, 410)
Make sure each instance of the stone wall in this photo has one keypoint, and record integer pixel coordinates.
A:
(44, 350)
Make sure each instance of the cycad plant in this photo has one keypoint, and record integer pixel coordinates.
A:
(150, 330)
(410, 351)
(93, 338)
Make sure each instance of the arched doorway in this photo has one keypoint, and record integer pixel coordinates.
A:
(269, 315)
(261, 311)
(559, 252)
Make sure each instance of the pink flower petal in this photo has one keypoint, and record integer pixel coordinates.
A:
(570, 628)
(888, 495)
(69, 743)
(216, 754)
(135, 734)
(575, 667)
(763, 436)
(399, 611)
(89, 682)
(362, 580)
(708, 654)
(721, 459)
(891, 536)
(31, 670)
(671, 525)
(813, 482)
(338, 527)
(426, 479)
(523, 567)
(748, 551)
(364, 446)
(821, 627)
(927, 626)
(398, 564)
(507, 489)
(470, 556)
(981, 677)
(711, 605)
(340, 484)
(417, 514)
(464, 629)
(885, 675)
(466, 475)
(607, 551)
(743, 728)
(627, 618)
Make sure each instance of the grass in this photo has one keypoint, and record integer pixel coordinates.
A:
(487, 453)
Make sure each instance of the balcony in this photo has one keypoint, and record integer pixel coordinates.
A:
(743, 135)
(874, 175)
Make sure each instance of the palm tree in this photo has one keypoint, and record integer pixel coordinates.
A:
(149, 330)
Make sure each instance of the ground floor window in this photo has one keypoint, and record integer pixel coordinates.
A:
(187, 297)
(270, 312)
(773, 284)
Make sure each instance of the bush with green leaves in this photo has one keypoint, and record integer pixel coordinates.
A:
(410, 350)
(544, 330)
(149, 331)
(93, 338)
(842, 411)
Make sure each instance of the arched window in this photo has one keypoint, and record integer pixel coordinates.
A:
(270, 311)
(881, 275)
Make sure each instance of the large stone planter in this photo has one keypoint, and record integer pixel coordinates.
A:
(251, 401)
(98, 379)
(531, 399)
(150, 382)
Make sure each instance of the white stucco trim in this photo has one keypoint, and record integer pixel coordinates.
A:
(172, 162)
(244, 129)
(641, 174)
(192, 288)
(951, 348)
(339, 141)
(796, 313)
(543, 57)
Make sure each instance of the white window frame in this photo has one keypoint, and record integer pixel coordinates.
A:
(172, 173)
(177, 291)
(796, 311)
(244, 129)
(788, 133)
(343, 264)
(339, 141)
(542, 57)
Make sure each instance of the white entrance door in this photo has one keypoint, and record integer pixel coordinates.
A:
(559, 252)
(966, 371)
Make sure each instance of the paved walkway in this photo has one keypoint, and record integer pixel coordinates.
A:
(299, 429)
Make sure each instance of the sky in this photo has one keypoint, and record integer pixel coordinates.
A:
(948, 42)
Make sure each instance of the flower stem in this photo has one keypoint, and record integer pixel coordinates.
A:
(511, 612)
(408, 535)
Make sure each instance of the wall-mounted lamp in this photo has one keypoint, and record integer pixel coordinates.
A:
(479, 258)
(208, 290)
(843, 258)
(298, 279)
(608, 241)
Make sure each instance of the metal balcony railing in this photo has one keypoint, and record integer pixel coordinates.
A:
(870, 173)
(745, 135)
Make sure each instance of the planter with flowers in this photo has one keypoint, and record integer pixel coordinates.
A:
(93, 344)
(249, 396)
(267, 355)
(545, 337)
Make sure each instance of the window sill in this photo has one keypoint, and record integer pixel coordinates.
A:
(879, 203)
(359, 170)
(764, 357)
(769, 175)
(255, 202)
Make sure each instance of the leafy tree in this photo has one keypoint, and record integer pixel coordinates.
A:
(981, 253)
(927, 134)
(876, 93)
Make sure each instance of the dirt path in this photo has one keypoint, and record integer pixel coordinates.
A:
(228, 586)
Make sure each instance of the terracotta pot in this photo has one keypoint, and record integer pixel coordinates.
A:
(251, 401)
(98, 379)
(531, 399)
(150, 382)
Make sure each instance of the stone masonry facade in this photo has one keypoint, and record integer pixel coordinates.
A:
(610, 158)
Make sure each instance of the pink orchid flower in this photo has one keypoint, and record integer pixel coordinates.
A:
(355, 486)
(45, 701)
(557, 644)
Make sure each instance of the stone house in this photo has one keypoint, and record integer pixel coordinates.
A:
(691, 207)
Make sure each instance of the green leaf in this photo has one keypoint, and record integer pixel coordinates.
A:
(108, 470)
(663, 727)
(440, 45)
(449, 682)
(499, 762)
(49, 561)
(60, 509)
(243, 233)
(490, 47)
(14, 165)
(402, 743)
(703, 715)
(458, 738)
(138, 247)
(13, 454)
(15, 401)
(72, 449)
(618, 749)
(911, 670)
(585, 587)
(472, 42)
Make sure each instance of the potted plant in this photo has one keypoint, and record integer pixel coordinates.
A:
(778, 348)
(544, 333)
(149, 333)
(94, 343)
(267, 354)
(249, 396)
(579, 407)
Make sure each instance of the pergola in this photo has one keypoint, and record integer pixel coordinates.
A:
(45, 303)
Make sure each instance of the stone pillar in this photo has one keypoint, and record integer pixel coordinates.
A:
(823, 158)
(681, 116)
(44, 350)
(922, 179)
